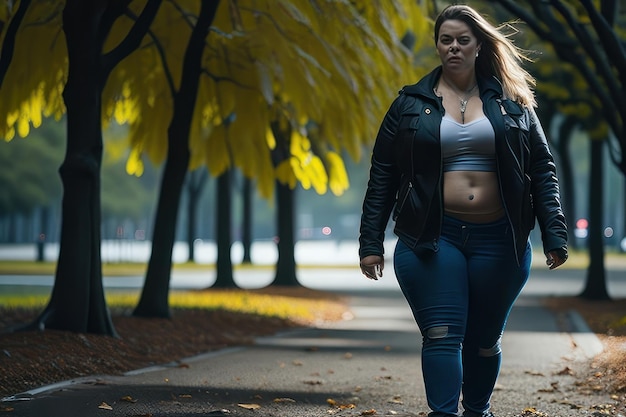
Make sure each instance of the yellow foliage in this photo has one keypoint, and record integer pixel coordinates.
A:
(307, 167)
(336, 63)
(37, 71)
(269, 137)
(285, 173)
(600, 131)
(6, 9)
(580, 109)
(338, 176)
(217, 152)
(134, 164)
(297, 309)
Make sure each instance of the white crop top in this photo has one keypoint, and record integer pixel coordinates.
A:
(468, 147)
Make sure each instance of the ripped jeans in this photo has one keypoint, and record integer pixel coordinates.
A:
(461, 297)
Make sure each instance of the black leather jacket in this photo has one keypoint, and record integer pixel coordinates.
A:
(406, 172)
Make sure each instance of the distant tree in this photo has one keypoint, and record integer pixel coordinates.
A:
(247, 220)
(285, 274)
(194, 184)
(223, 227)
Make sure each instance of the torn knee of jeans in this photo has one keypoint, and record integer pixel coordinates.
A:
(494, 350)
(438, 332)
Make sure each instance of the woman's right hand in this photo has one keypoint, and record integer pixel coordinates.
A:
(372, 266)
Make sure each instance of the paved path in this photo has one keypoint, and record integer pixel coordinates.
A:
(349, 368)
(542, 282)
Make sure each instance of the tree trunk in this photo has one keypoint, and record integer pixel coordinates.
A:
(195, 184)
(286, 265)
(566, 177)
(154, 296)
(595, 285)
(42, 236)
(623, 235)
(77, 302)
(224, 267)
(246, 233)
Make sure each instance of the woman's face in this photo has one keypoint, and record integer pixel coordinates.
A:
(457, 46)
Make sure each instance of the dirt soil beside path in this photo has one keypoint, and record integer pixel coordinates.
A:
(607, 371)
(32, 359)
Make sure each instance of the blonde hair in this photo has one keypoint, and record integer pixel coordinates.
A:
(498, 56)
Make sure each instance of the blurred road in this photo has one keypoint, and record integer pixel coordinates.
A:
(542, 282)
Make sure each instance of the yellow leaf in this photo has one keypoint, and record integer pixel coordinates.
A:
(317, 175)
(338, 175)
(285, 174)
(271, 140)
(23, 126)
(134, 164)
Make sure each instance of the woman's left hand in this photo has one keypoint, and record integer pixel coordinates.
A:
(372, 266)
(554, 260)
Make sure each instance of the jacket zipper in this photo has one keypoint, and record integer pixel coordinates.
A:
(406, 195)
(408, 190)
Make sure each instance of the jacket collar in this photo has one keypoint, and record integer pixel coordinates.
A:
(489, 87)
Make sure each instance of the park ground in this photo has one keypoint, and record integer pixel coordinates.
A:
(31, 359)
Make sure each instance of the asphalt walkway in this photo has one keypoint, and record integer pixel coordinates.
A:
(368, 364)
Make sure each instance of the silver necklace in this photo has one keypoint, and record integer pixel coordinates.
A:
(463, 100)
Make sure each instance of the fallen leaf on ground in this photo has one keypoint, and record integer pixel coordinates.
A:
(566, 371)
(554, 387)
(368, 412)
(534, 373)
(532, 411)
(334, 403)
(284, 400)
(314, 382)
(570, 404)
(218, 413)
(105, 406)
(249, 406)
(128, 399)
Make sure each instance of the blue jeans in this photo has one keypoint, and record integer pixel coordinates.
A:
(461, 297)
